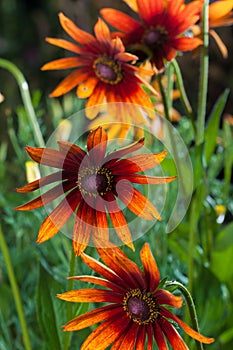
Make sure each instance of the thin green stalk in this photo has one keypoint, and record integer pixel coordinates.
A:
(183, 95)
(191, 307)
(25, 94)
(192, 240)
(15, 291)
(69, 309)
(164, 98)
(203, 82)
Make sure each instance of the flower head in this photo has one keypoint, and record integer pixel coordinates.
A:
(103, 70)
(159, 32)
(90, 182)
(137, 309)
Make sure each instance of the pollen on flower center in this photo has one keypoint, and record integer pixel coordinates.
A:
(155, 36)
(108, 70)
(94, 181)
(140, 306)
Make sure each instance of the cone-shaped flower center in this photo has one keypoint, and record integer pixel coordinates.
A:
(155, 37)
(108, 70)
(140, 306)
(94, 181)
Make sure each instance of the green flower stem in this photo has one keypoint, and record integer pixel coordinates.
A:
(183, 95)
(25, 94)
(165, 98)
(69, 309)
(15, 291)
(191, 307)
(203, 82)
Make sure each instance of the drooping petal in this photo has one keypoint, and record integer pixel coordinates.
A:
(100, 281)
(165, 297)
(59, 216)
(118, 221)
(159, 337)
(91, 295)
(92, 317)
(120, 20)
(64, 44)
(150, 268)
(77, 34)
(97, 144)
(195, 335)
(72, 80)
(122, 266)
(172, 335)
(136, 201)
(105, 334)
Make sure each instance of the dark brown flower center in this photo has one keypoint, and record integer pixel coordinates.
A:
(140, 306)
(108, 70)
(95, 181)
(155, 37)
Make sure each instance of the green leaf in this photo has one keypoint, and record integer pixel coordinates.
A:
(225, 238)
(50, 310)
(211, 131)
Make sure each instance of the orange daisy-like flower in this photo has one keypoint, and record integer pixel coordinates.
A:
(138, 308)
(103, 72)
(159, 33)
(91, 182)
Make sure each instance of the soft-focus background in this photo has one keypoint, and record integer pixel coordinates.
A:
(23, 28)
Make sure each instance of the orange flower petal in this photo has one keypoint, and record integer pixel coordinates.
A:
(186, 328)
(127, 339)
(142, 179)
(105, 334)
(72, 80)
(120, 20)
(150, 268)
(102, 32)
(71, 151)
(95, 101)
(85, 89)
(137, 202)
(141, 339)
(126, 57)
(63, 63)
(77, 34)
(149, 337)
(133, 147)
(59, 216)
(220, 9)
(92, 317)
(91, 295)
(132, 4)
(64, 44)
(165, 297)
(186, 43)
(122, 266)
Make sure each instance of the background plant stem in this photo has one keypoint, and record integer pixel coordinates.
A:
(25, 94)
(15, 291)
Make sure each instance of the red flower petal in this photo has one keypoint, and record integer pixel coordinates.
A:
(148, 9)
(96, 145)
(159, 337)
(133, 147)
(141, 339)
(172, 335)
(165, 297)
(92, 317)
(99, 281)
(46, 180)
(64, 44)
(102, 33)
(127, 338)
(120, 20)
(71, 151)
(63, 63)
(91, 295)
(150, 267)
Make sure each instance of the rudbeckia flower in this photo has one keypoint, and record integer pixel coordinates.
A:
(138, 310)
(159, 32)
(103, 70)
(90, 182)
